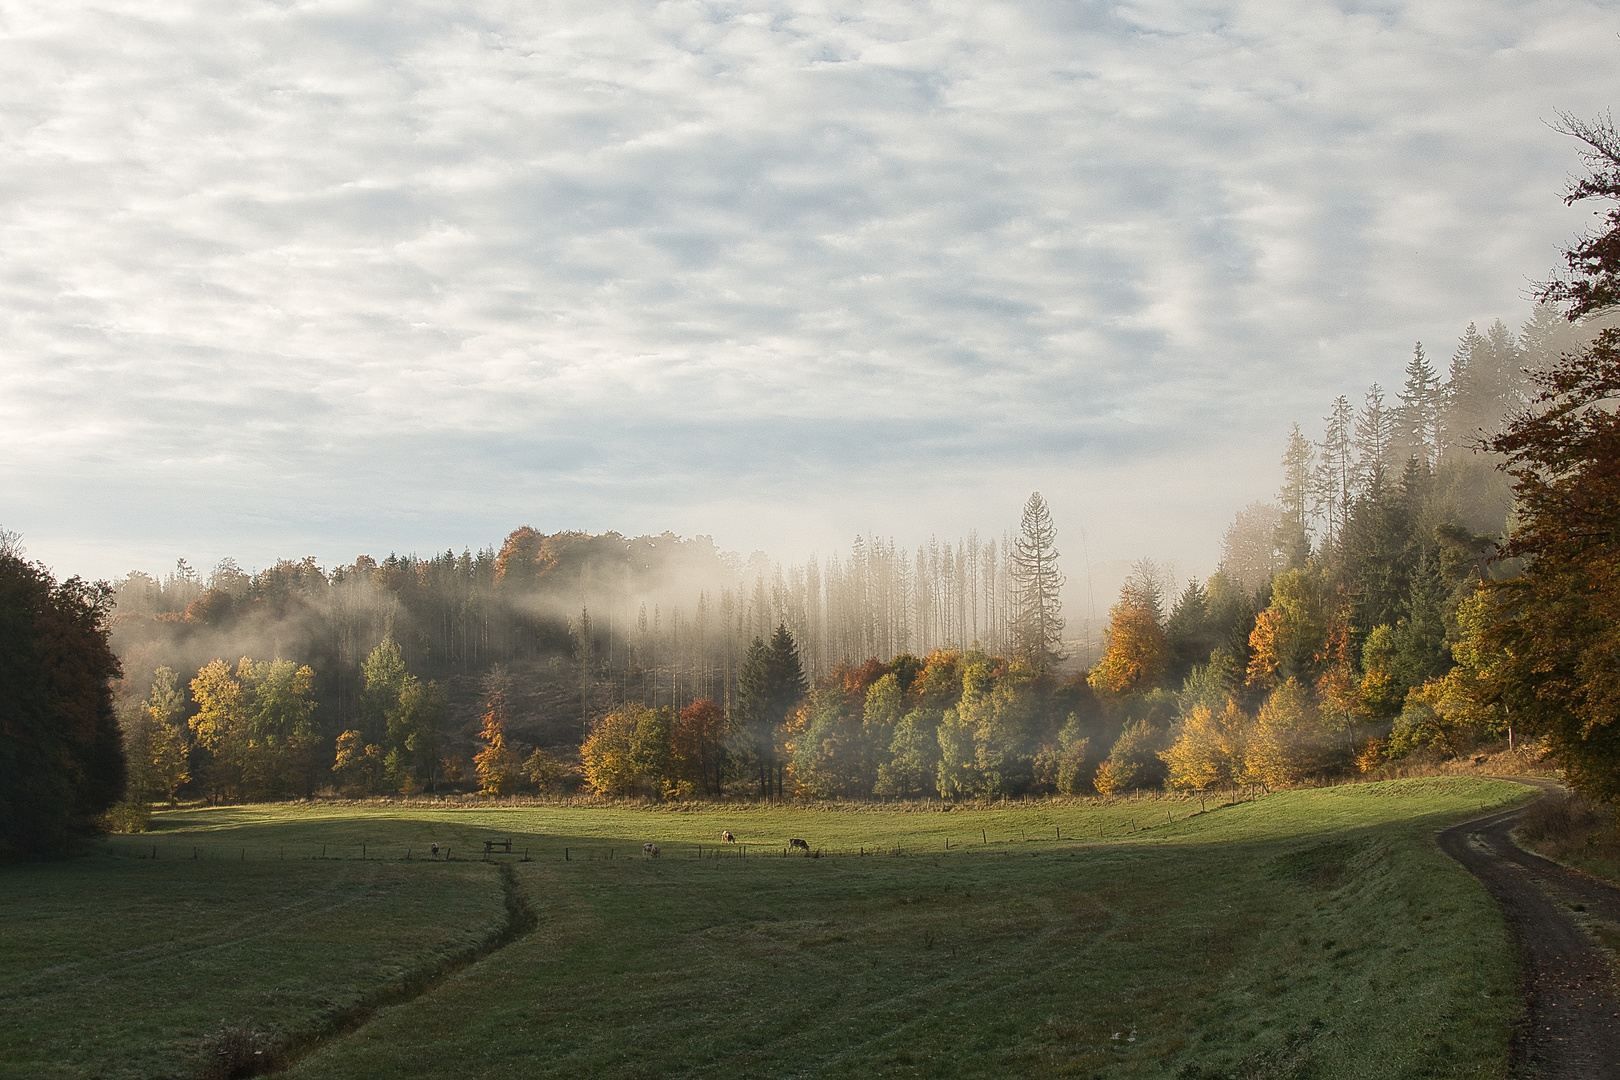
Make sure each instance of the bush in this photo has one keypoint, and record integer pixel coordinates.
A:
(1561, 819)
(129, 817)
(238, 1050)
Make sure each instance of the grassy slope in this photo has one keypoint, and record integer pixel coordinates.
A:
(1308, 934)
(117, 967)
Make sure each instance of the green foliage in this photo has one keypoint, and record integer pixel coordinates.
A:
(155, 742)
(382, 677)
(61, 755)
(543, 770)
(912, 766)
(1289, 634)
(1135, 761)
(770, 685)
(254, 726)
(1072, 765)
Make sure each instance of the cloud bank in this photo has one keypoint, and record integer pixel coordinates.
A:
(287, 278)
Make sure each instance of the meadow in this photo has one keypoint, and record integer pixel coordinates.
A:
(1303, 933)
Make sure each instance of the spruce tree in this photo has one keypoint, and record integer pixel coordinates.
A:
(1293, 534)
(1374, 442)
(770, 686)
(1036, 577)
(1334, 481)
(1418, 415)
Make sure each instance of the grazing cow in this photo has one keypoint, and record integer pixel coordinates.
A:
(651, 849)
(727, 837)
(795, 842)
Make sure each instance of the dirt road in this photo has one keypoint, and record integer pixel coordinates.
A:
(1573, 1025)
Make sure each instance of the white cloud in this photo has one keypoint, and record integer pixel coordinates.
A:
(336, 277)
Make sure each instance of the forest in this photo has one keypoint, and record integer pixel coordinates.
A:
(1432, 574)
(1340, 633)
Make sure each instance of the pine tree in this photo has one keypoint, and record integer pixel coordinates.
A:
(770, 686)
(1417, 417)
(1335, 469)
(1293, 537)
(1374, 442)
(1039, 626)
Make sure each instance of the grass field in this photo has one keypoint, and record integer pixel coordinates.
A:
(1307, 933)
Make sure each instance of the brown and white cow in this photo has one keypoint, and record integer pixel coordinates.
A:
(727, 837)
(795, 842)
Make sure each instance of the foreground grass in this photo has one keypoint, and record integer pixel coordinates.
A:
(1306, 933)
(118, 967)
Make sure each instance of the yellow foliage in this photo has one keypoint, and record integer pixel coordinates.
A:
(1287, 640)
(1287, 738)
(1136, 656)
(220, 710)
(1209, 749)
(605, 756)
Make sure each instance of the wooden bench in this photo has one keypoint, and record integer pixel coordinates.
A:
(491, 845)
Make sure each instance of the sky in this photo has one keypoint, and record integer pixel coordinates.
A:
(287, 279)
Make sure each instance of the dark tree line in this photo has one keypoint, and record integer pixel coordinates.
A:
(61, 757)
(1554, 642)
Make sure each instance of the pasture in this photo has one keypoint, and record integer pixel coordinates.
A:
(1305, 933)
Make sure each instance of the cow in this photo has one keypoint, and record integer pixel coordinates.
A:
(727, 837)
(651, 850)
(795, 842)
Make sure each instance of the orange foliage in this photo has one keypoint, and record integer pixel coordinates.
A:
(1137, 655)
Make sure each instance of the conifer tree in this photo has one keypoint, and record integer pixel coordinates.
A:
(1293, 538)
(1374, 441)
(770, 686)
(1036, 578)
(1335, 469)
(1417, 417)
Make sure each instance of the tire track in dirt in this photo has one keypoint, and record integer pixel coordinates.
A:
(1572, 1027)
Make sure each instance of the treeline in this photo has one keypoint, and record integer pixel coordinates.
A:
(1437, 568)
(1340, 632)
(661, 620)
(61, 758)
(1345, 627)
(597, 622)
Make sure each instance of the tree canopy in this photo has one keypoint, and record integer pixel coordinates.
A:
(61, 753)
(1558, 627)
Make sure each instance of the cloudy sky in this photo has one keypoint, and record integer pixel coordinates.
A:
(327, 278)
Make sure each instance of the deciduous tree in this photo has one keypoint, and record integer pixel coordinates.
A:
(61, 753)
(1558, 623)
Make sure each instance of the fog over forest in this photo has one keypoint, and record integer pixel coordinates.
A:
(498, 374)
(582, 625)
